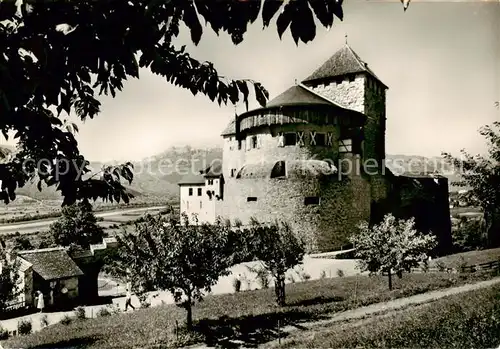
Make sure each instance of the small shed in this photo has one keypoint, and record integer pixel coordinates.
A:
(55, 274)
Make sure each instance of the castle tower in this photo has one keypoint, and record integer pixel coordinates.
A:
(345, 79)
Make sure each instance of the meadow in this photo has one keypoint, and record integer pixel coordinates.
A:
(248, 317)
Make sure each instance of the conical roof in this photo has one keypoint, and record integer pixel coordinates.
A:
(345, 61)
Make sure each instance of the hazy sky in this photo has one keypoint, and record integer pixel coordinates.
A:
(441, 62)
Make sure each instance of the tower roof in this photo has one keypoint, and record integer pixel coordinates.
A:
(344, 61)
(297, 95)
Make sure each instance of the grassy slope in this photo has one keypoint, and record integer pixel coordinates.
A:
(468, 320)
(469, 258)
(250, 316)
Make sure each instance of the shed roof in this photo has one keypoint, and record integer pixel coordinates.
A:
(51, 264)
(194, 179)
(343, 62)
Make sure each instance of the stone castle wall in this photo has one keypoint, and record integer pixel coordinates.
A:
(325, 227)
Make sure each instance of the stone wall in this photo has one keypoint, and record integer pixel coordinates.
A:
(324, 226)
(268, 148)
(366, 95)
(347, 93)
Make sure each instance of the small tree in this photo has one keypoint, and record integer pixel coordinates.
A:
(9, 279)
(22, 243)
(278, 249)
(186, 260)
(77, 225)
(393, 246)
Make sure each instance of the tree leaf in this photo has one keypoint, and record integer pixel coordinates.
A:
(269, 9)
(192, 21)
(285, 18)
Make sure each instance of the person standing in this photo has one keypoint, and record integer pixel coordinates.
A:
(128, 300)
(40, 304)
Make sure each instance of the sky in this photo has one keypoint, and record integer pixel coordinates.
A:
(441, 61)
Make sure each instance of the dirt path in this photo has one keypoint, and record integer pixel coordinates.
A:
(374, 309)
(397, 304)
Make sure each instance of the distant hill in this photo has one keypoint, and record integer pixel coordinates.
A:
(158, 175)
(155, 177)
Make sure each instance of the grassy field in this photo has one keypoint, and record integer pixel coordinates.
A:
(249, 316)
(468, 258)
(25, 209)
(468, 320)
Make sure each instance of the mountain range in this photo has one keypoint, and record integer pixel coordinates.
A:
(157, 176)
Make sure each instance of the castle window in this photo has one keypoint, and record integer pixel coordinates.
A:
(311, 200)
(352, 78)
(254, 142)
(318, 139)
(345, 146)
(239, 144)
(199, 191)
(190, 191)
(251, 199)
(233, 172)
(278, 170)
(289, 139)
(210, 182)
(201, 204)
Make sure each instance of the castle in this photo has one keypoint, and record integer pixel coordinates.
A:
(314, 157)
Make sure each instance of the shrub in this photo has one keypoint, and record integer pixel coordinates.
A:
(291, 279)
(340, 273)
(66, 320)
(441, 266)
(247, 281)
(262, 276)
(24, 327)
(44, 321)
(4, 334)
(103, 312)
(323, 274)
(237, 284)
(80, 313)
(470, 235)
(303, 276)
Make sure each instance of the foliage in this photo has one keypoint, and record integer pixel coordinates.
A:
(340, 273)
(22, 243)
(278, 249)
(80, 313)
(185, 260)
(302, 274)
(77, 225)
(9, 279)
(4, 334)
(66, 320)
(482, 175)
(262, 275)
(24, 327)
(470, 235)
(103, 312)
(323, 274)
(44, 321)
(392, 246)
(236, 284)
